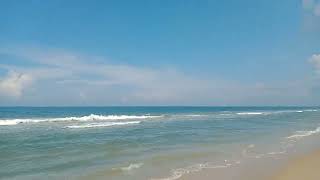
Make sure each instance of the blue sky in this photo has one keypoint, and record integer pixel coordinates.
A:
(160, 52)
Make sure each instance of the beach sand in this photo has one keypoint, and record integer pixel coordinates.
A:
(250, 170)
(303, 168)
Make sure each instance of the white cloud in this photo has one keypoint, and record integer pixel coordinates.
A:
(311, 6)
(316, 10)
(65, 78)
(315, 60)
(89, 75)
(14, 84)
(307, 4)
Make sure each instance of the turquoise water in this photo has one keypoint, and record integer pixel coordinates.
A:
(143, 142)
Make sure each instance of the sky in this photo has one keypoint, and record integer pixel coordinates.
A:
(160, 52)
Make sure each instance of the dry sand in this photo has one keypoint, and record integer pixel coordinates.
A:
(303, 168)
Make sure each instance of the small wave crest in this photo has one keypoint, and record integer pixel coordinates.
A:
(311, 110)
(107, 124)
(178, 173)
(250, 113)
(302, 134)
(196, 115)
(276, 112)
(129, 168)
(249, 152)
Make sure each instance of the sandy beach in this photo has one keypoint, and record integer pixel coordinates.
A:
(306, 167)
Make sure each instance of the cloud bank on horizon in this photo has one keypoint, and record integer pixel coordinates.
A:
(62, 78)
(41, 74)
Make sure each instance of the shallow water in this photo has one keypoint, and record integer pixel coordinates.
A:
(144, 142)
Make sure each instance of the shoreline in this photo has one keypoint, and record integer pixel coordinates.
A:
(303, 166)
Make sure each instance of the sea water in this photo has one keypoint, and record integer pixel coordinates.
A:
(144, 142)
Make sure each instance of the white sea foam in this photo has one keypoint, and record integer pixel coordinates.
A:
(196, 115)
(105, 124)
(18, 121)
(276, 112)
(247, 151)
(101, 117)
(277, 152)
(91, 117)
(8, 122)
(250, 113)
(178, 173)
(311, 110)
(132, 167)
(129, 168)
(296, 111)
(301, 134)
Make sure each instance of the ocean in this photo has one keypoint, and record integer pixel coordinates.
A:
(140, 143)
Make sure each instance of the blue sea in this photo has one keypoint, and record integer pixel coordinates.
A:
(139, 143)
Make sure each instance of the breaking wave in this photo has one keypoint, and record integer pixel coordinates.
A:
(92, 117)
(106, 124)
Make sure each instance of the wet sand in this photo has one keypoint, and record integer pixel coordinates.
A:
(304, 167)
(250, 170)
